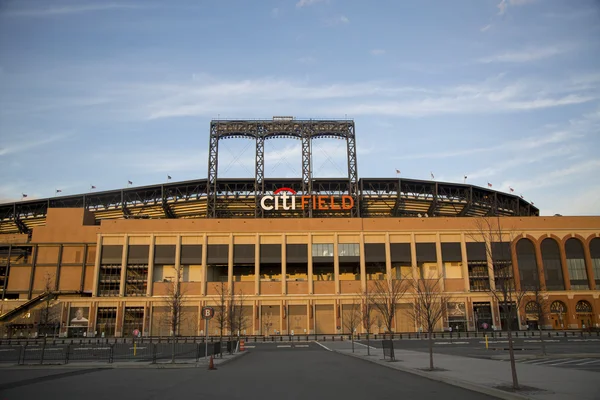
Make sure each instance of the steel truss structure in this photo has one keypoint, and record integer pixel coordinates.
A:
(304, 130)
(240, 198)
(235, 198)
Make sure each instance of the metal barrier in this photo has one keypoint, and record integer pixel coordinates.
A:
(388, 349)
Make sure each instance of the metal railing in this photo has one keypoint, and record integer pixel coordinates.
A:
(50, 352)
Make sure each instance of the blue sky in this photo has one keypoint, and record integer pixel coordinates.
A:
(502, 91)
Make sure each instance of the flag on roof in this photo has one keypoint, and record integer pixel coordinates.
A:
(522, 197)
(93, 187)
(129, 182)
(432, 177)
(511, 189)
(23, 194)
(58, 191)
(168, 176)
(489, 184)
(397, 171)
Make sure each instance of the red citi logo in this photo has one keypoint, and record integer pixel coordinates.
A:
(285, 198)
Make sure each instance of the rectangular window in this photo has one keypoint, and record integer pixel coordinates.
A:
(136, 280)
(349, 250)
(133, 319)
(109, 280)
(322, 250)
(106, 321)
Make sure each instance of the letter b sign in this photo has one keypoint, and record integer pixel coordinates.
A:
(207, 312)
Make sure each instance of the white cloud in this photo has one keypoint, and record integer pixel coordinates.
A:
(527, 55)
(304, 3)
(344, 19)
(561, 176)
(70, 9)
(377, 52)
(504, 4)
(485, 28)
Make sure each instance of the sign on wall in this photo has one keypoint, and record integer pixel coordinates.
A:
(79, 316)
(285, 199)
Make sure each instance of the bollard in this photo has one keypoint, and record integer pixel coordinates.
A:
(68, 349)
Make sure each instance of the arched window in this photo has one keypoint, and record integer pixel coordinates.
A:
(595, 253)
(576, 264)
(558, 307)
(527, 264)
(552, 265)
(583, 307)
(532, 307)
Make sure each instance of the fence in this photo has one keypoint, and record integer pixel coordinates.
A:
(58, 353)
(142, 341)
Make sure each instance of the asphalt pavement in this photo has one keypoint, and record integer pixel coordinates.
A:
(268, 371)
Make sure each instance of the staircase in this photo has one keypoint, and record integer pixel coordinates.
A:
(34, 302)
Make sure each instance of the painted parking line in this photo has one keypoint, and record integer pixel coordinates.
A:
(284, 345)
(583, 340)
(325, 347)
(249, 347)
(302, 345)
(564, 362)
(589, 362)
(543, 361)
(373, 348)
(539, 341)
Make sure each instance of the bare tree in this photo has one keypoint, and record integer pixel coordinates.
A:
(430, 304)
(386, 294)
(174, 301)
(222, 313)
(352, 319)
(48, 314)
(540, 307)
(504, 289)
(368, 305)
(239, 320)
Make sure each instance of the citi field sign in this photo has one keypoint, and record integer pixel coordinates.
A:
(285, 198)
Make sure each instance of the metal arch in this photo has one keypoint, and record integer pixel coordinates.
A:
(352, 170)
(259, 175)
(306, 134)
(213, 160)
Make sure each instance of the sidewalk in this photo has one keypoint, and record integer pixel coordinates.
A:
(485, 376)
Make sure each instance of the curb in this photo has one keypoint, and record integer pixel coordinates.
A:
(500, 394)
(239, 355)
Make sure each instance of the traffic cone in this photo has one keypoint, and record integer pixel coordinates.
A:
(211, 364)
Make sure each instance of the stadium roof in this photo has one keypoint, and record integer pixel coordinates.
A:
(237, 198)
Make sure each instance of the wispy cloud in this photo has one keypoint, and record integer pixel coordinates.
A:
(522, 56)
(561, 176)
(68, 9)
(377, 52)
(504, 4)
(24, 144)
(304, 3)
(486, 28)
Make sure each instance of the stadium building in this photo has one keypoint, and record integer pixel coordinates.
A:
(296, 252)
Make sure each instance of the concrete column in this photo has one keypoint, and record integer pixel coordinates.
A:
(336, 264)
(150, 286)
(363, 268)
(283, 265)
(413, 256)
(440, 261)
(465, 262)
(565, 268)
(310, 265)
(388, 256)
(540, 265)
(230, 263)
(490, 262)
(178, 272)
(257, 265)
(204, 264)
(97, 265)
(124, 265)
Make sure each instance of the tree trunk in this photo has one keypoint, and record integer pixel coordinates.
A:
(173, 349)
(431, 351)
(511, 353)
(368, 344)
(352, 336)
